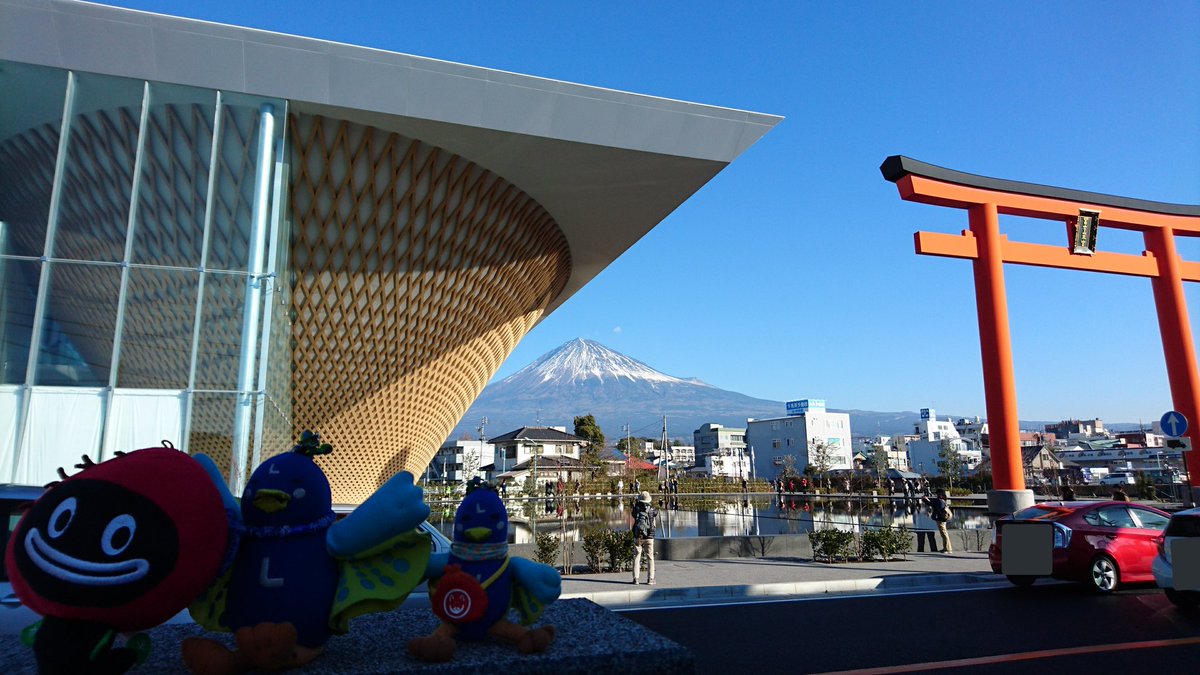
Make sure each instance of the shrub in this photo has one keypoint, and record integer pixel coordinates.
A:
(619, 546)
(594, 546)
(831, 544)
(546, 548)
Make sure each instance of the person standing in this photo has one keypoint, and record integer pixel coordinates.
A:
(939, 511)
(1119, 494)
(645, 518)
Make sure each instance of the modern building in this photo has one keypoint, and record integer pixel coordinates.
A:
(934, 435)
(711, 437)
(460, 461)
(803, 435)
(728, 463)
(222, 236)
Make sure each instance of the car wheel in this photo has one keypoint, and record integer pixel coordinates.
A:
(1021, 580)
(1105, 575)
(1183, 599)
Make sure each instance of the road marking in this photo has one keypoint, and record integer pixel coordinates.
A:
(1020, 656)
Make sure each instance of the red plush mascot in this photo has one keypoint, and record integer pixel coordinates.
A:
(121, 546)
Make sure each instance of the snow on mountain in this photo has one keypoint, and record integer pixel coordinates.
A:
(581, 360)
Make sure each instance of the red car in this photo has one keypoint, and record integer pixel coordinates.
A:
(1104, 544)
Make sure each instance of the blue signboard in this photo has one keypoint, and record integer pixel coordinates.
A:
(1173, 423)
(804, 405)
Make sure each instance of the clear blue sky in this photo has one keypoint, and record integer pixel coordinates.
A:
(792, 274)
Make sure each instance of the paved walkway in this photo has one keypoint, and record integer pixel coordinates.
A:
(742, 579)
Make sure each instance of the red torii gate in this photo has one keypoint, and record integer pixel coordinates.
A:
(985, 199)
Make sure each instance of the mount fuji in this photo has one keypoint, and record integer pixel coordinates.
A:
(584, 377)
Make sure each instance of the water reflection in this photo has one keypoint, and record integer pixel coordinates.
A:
(713, 517)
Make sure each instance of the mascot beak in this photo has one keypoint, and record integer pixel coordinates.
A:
(270, 501)
(478, 533)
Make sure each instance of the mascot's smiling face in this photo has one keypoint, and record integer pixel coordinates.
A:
(127, 543)
(95, 543)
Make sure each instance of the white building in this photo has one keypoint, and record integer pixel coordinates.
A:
(680, 456)
(897, 454)
(807, 426)
(924, 453)
(728, 463)
(460, 461)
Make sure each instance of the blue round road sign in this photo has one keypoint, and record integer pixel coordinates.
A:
(1173, 423)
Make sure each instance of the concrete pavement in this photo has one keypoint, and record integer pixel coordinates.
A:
(750, 579)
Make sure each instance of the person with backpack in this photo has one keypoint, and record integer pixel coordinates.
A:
(645, 519)
(939, 511)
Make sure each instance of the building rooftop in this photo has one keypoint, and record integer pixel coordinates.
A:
(607, 165)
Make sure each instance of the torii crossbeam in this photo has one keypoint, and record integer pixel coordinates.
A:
(985, 199)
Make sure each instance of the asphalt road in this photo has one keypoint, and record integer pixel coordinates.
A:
(1053, 628)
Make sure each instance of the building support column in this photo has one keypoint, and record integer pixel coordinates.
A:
(991, 304)
(247, 383)
(1176, 331)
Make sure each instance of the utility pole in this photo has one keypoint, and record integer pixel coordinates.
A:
(483, 423)
(666, 453)
(628, 445)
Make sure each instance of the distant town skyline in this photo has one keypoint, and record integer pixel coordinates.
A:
(792, 274)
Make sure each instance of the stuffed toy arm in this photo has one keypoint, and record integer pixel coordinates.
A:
(543, 581)
(437, 565)
(396, 507)
(227, 499)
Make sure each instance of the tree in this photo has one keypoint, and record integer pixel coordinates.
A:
(633, 447)
(881, 462)
(821, 456)
(789, 466)
(949, 461)
(586, 427)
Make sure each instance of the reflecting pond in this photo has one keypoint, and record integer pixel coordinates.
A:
(713, 516)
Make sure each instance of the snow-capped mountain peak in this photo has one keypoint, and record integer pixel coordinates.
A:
(580, 360)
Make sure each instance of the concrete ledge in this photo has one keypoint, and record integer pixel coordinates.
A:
(589, 639)
(648, 596)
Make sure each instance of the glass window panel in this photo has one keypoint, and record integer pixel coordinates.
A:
(156, 341)
(98, 180)
(221, 333)
(143, 418)
(30, 119)
(211, 430)
(233, 202)
(169, 229)
(10, 411)
(81, 314)
(63, 424)
(18, 297)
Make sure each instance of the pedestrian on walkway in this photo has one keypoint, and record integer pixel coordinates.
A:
(644, 521)
(1119, 494)
(939, 511)
(1068, 494)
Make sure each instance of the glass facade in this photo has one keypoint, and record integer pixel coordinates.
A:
(140, 296)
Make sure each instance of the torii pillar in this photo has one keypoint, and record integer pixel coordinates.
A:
(985, 199)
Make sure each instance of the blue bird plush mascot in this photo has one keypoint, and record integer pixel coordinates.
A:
(473, 588)
(296, 574)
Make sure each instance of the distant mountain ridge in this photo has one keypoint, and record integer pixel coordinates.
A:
(584, 377)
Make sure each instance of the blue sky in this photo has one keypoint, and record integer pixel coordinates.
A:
(792, 273)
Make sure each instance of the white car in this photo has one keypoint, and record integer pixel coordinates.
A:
(14, 499)
(1184, 528)
(1121, 478)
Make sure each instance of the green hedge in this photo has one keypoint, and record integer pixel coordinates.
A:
(832, 545)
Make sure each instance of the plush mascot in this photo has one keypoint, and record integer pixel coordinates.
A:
(120, 546)
(300, 575)
(473, 587)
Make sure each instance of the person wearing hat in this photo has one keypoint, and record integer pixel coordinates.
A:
(644, 521)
